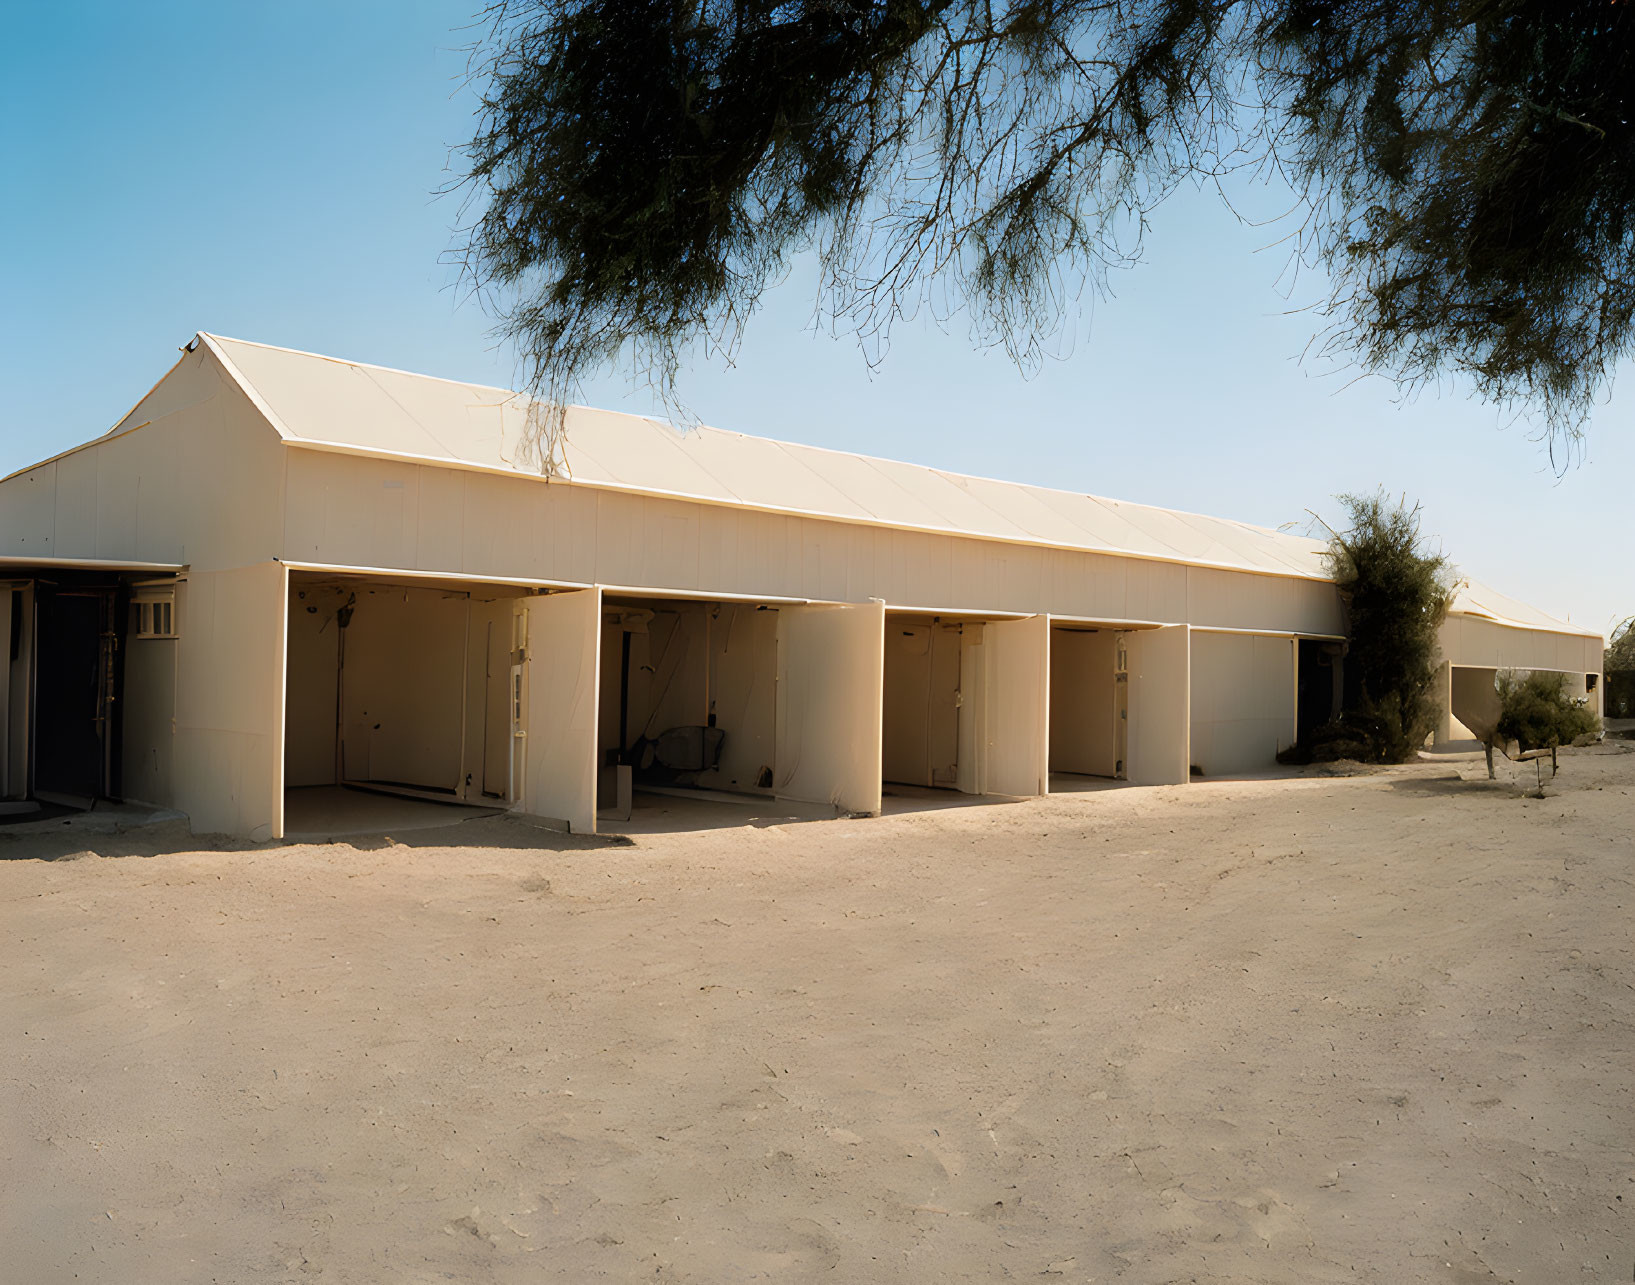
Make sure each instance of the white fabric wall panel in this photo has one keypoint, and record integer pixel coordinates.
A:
(743, 691)
(757, 554)
(1475, 700)
(860, 551)
(130, 496)
(828, 564)
(906, 698)
(718, 553)
(1086, 584)
(439, 522)
(148, 743)
(1106, 592)
(739, 550)
(985, 576)
(669, 543)
(572, 548)
(496, 531)
(482, 525)
(1083, 713)
(1225, 599)
(486, 765)
(1157, 591)
(830, 678)
(887, 565)
(930, 570)
(921, 701)
(1243, 701)
(194, 378)
(403, 688)
(28, 513)
(309, 477)
(563, 645)
(619, 523)
(1022, 579)
(210, 482)
(1578, 655)
(1472, 641)
(312, 658)
(76, 519)
(119, 502)
(1233, 600)
(1016, 700)
(1160, 700)
(229, 749)
(392, 533)
(973, 710)
(365, 508)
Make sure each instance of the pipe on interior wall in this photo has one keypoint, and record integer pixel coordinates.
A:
(343, 618)
(463, 781)
(624, 697)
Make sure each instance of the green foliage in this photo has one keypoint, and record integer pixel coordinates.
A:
(648, 165)
(643, 169)
(1396, 596)
(1619, 700)
(1620, 653)
(1618, 672)
(1538, 712)
(1472, 166)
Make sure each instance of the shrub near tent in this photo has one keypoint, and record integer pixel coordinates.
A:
(1396, 596)
(1540, 713)
(1618, 666)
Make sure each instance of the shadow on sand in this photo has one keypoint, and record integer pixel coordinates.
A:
(69, 842)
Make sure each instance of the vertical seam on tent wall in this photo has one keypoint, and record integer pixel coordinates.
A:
(284, 518)
(282, 712)
(1294, 666)
(1186, 693)
(595, 702)
(465, 700)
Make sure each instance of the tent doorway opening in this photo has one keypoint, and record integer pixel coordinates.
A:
(403, 688)
(963, 705)
(76, 693)
(87, 687)
(688, 699)
(924, 695)
(1319, 684)
(1089, 701)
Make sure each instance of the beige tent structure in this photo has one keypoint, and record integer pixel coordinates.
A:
(282, 571)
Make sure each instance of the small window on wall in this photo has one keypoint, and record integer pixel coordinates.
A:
(1590, 681)
(156, 613)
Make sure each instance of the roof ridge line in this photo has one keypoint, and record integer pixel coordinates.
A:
(701, 428)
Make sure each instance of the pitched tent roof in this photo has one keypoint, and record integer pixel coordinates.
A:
(327, 403)
(1473, 599)
(357, 408)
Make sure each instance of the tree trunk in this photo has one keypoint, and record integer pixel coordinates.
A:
(1489, 748)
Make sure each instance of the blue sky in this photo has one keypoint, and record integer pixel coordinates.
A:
(268, 172)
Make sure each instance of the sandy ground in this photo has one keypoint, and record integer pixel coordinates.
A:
(1375, 1028)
